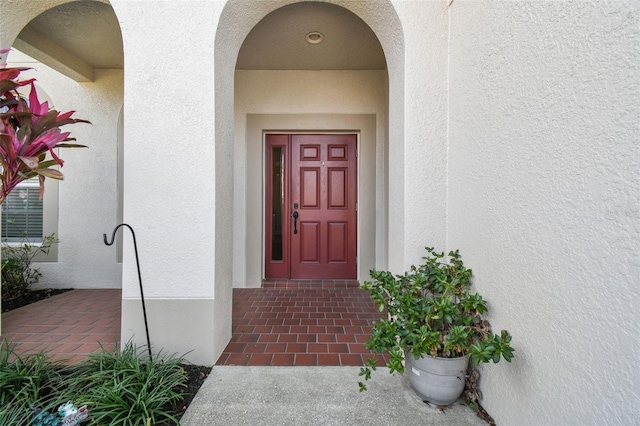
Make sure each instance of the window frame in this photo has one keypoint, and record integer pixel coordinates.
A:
(50, 198)
(49, 219)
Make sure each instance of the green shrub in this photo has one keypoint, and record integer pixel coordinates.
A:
(119, 388)
(127, 388)
(26, 381)
(28, 377)
(15, 412)
(17, 273)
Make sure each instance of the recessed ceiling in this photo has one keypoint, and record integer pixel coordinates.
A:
(88, 30)
(88, 33)
(278, 42)
(75, 39)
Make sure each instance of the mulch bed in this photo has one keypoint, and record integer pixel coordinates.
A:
(30, 297)
(197, 375)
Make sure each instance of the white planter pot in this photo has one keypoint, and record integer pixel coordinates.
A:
(437, 380)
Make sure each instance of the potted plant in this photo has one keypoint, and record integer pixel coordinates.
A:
(434, 324)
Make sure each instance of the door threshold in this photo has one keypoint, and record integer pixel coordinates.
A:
(315, 283)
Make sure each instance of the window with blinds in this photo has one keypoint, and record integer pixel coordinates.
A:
(22, 214)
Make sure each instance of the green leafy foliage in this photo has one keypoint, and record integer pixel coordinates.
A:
(127, 388)
(17, 273)
(120, 388)
(15, 412)
(492, 348)
(26, 381)
(431, 311)
(28, 377)
(29, 130)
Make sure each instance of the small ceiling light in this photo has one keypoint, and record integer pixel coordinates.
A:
(314, 37)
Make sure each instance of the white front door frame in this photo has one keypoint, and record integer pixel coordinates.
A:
(372, 222)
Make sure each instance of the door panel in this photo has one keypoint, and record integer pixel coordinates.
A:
(338, 188)
(310, 242)
(337, 243)
(320, 185)
(310, 187)
(323, 185)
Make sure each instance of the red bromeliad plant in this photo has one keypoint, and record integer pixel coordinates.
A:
(28, 130)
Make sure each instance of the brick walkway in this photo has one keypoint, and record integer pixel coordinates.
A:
(69, 326)
(284, 323)
(301, 323)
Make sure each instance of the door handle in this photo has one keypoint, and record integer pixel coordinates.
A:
(295, 222)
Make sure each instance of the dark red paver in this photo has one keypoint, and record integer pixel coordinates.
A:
(284, 323)
(312, 322)
(68, 326)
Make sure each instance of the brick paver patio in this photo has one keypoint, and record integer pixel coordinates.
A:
(69, 326)
(302, 323)
(284, 323)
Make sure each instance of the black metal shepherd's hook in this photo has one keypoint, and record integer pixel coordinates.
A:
(135, 248)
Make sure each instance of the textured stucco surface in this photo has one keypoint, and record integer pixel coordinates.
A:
(73, 37)
(18, 14)
(173, 196)
(424, 159)
(543, 200)
(168, 153)
(176, 326)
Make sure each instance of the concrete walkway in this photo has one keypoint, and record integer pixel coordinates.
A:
(251, 395)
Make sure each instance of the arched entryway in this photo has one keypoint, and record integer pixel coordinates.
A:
(249, 91)
(270, 96)
(75, 52)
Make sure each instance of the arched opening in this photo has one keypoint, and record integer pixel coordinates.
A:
(385, 25)
(75, 38)
(239, 183)
(75, 50)
(76, 54)
(287, 85)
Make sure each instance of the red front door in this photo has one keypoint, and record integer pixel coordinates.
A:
(311, 207)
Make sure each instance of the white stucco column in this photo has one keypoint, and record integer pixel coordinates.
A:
(170, 181)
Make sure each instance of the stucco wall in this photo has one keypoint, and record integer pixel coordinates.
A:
(179, 155)
(424, 156)
(169, 146)
(87, 203)
(543, 201)
(170, 177)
